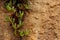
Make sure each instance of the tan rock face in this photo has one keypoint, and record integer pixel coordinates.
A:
(43, 21)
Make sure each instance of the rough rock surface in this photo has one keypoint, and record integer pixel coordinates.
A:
(43, 21)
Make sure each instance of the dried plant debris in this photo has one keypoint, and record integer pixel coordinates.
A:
(16, 20)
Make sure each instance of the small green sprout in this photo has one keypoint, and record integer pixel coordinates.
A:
(26, 6)
(20, 24)
(14, 26)
(21, 14)
(26, 32)
(13, 20)
(8, 7)
(13, 9)
(21, 33)
(7, 18)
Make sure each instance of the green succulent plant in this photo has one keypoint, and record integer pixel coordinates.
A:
(23, 33)
(26, 6)
(13, 5)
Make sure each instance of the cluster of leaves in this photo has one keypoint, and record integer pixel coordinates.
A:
(17, 7)
(12, 5)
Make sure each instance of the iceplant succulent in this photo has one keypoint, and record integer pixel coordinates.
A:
(17, 7)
